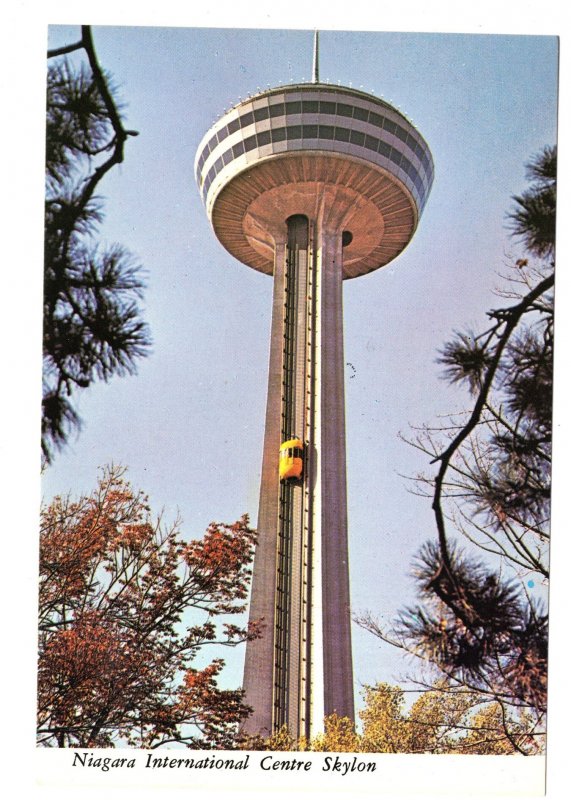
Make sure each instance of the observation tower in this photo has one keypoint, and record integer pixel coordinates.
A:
(314, 184)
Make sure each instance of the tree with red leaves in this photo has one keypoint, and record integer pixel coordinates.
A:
(125, 606)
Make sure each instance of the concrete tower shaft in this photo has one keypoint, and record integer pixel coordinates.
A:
(312, 184)
(301, 669)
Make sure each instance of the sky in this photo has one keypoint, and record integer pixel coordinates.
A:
(484, 103)
(189, 426)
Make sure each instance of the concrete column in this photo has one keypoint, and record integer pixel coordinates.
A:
(337, 660)
(259, 662)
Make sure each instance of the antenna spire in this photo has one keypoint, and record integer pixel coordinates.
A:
(316, 57)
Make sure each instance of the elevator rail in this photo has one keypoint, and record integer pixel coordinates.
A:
(290, 667)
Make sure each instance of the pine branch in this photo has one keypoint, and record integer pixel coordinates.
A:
(509, 319)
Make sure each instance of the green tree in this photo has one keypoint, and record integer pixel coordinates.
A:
(125, 607)
(477, 624)
(92, 324)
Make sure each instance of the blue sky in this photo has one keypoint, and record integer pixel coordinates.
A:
(189, 426)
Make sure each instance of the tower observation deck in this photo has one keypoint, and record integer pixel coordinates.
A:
(313, 184)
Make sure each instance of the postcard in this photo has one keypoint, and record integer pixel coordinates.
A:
(297, 408)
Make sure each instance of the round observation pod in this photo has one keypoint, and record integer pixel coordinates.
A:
(291, 460)
(319, 150)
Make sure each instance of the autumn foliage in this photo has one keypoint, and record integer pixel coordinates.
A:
(445, 721)
(125, 606)
(438, 721)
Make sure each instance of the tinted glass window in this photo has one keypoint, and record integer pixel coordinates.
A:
(360, 113)
(326, 107)
(294, 132)
(410, 141)
(342, 134)
(247, 119)
(371, 143)
(233, 125)
(384, 149)
(357, 137)
(278, 134)
(309, 131)
(278, 110)
(326, 131)
(293, 108)
(406, 165)
(261, 113)
(310, 106)
(263, 138)
(238, 149)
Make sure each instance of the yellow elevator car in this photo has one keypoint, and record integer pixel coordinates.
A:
(291, 459)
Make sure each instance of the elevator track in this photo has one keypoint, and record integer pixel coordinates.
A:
(293, 584)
